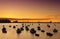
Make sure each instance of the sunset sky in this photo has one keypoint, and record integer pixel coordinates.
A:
(29, 9)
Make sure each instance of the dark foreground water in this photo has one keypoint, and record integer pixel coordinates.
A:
(12, 34)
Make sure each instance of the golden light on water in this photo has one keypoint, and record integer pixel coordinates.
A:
(21, 18)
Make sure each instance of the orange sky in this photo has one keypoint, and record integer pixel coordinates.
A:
(29, 9)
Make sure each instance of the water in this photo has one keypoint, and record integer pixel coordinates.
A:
(11, 32)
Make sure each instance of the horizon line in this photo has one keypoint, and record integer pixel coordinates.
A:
(28, 18)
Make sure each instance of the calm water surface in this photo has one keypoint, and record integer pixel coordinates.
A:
(11, 33)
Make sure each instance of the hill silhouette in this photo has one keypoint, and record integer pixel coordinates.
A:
(5, 21)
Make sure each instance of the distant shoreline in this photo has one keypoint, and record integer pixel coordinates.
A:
(14, 20)
(35, 22)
